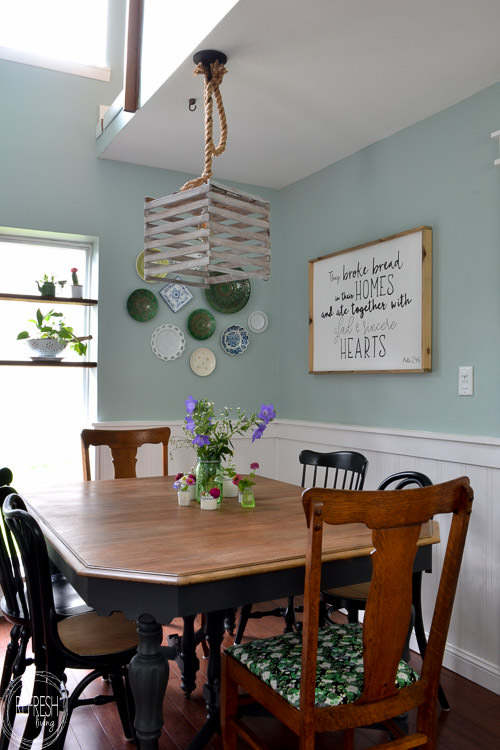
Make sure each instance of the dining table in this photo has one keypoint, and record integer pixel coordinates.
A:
(127, 545)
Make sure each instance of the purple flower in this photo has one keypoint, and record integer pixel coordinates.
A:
(254, 466)
(267, 413)
(258, 432)
(190, 404)
(190, 423)
(201, 440)
(214, 492)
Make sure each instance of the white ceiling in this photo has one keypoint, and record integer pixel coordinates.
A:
(311, 81)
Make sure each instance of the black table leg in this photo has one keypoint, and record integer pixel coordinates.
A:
(187, 660)
(211, 689)
(148, 674)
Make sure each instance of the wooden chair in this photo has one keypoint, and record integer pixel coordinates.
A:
(344, 469)
(353, 598)
(13, 604)
(123, 445)
(340, 677)
(99, 645)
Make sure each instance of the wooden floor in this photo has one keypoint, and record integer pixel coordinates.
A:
(473, 722)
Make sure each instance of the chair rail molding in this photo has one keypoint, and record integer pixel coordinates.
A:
(473, 648)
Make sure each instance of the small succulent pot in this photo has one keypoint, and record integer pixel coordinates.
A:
(76, 291)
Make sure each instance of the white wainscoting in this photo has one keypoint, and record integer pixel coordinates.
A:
(473, 648)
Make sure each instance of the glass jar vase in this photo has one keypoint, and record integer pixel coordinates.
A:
(208, 475)
(247, 498)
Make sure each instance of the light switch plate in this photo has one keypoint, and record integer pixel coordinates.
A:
(466, 381)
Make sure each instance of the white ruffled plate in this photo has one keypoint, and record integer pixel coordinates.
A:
(168, 342)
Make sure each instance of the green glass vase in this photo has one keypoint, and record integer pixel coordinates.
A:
(209, 474)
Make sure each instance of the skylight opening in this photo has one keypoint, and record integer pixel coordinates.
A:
(171, 32)
(73, 31)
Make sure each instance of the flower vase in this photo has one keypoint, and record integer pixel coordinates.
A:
(230, 489)
(207, 502)
(246, 498)
(183, 497)
(208, 475)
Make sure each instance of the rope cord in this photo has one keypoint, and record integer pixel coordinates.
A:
(213, 78)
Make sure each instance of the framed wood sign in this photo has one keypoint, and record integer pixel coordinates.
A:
(370, 307)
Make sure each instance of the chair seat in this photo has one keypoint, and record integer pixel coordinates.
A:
(339, 677)
(358, 591)
(92, 635)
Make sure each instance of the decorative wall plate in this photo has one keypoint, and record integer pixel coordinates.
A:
(142, 305)
(168, 342)
(202, 361)
(139, 267)
(176, 296)
(201, 324)
(234, 340)
(230, 296)
(257, 321)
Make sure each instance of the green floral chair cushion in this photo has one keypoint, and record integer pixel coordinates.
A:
(339, 679)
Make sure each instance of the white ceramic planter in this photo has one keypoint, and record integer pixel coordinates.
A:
(207, 502)
(76, 291)
(229, 489)
(183, 498)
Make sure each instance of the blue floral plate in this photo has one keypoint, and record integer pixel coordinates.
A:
(234, 340)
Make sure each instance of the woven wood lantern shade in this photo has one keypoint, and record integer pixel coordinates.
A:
(206, 232)
(210, 234)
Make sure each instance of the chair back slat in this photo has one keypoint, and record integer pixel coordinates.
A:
(349, 469)
(395, 518)
(35, 560)
(124, 445)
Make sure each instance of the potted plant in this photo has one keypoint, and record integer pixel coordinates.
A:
(52, 338)
(77, 288)
(228, 472)
(47, 286)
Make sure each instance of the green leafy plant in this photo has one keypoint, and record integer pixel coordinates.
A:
(62, 332)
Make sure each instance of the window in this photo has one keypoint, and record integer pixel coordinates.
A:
(44, 408)
(67, 35)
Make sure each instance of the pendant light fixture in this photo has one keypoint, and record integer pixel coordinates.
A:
(208, 233)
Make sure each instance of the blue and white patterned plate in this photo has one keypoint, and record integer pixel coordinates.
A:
(234, 340)
(176, 296)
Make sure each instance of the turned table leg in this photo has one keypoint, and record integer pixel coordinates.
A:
(148, 674)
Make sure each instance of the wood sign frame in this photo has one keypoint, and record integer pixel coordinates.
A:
(370, 306)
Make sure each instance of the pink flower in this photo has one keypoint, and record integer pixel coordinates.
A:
(178, 476)
(254, 466)
(214, 492)
(190, 479)
(73, 270)
(236, 479)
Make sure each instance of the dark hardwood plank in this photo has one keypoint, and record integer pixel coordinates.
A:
(472, 724)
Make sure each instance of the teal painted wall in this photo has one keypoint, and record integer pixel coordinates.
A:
(439, 173)
(51, 179)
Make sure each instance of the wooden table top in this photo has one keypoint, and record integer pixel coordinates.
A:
(134, 530)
